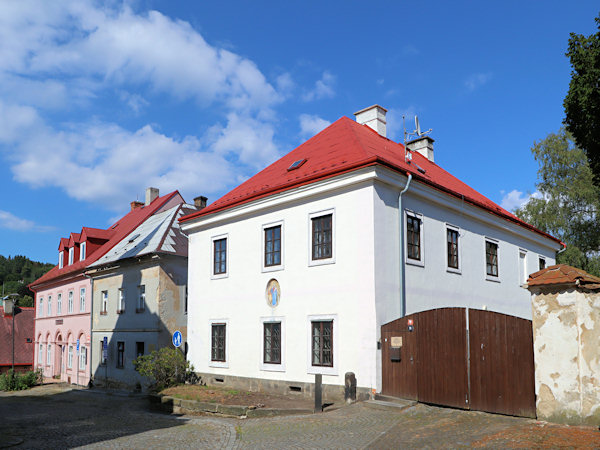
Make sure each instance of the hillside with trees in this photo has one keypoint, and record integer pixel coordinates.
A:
(17, 272)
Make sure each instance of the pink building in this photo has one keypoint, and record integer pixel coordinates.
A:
(63, 296)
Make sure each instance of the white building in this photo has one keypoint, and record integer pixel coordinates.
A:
(293, 272)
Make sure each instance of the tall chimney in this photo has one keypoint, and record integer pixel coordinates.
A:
(423, 145)
(136, 205)
(373, 117)
(151, 195)
(200, 202)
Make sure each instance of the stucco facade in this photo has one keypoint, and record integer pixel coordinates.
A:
(357, 289)
(62, 317)
(566, 333)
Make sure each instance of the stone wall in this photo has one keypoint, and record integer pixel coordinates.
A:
(566, 334)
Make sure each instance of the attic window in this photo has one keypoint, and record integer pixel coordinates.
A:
(114, 226)
(135, 236)
(296, 164)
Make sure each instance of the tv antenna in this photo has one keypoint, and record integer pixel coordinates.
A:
(417, 133)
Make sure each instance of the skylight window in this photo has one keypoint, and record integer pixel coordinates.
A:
(296, 164)
(133, 238)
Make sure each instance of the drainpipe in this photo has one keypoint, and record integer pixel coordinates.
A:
(401, 240)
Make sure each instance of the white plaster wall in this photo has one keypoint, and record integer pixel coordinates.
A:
(343, 290)
(432, 285)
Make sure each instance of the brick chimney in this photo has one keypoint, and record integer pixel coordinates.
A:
(373, 117)
(200, 202)
(423, 145)
(136, 205)
(151, 195)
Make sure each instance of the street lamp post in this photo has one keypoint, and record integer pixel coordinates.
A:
(12, 309)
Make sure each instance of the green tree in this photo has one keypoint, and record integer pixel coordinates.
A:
(569, 201)
(582, 103)
(165, 367)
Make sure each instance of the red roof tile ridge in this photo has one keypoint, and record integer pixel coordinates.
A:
(560, 274)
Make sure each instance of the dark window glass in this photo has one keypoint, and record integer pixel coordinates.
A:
(491, 258)
(452, 238)
(413, 237)
(218, 342)
(542, 263)
(322, 343)
(139, 349)
(272, 343)
(120, 354)
(273, 246)
(321, 237)
(220, 255)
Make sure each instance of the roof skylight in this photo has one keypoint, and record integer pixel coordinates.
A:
(296, 164)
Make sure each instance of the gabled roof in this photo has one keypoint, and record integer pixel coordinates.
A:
(159, 233)
(119, 230)
(95, 233)
(64, 243)
(561, 274)
(23, 331)
(342, 147)
(74, 239)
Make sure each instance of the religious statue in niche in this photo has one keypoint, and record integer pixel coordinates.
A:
(273, 293)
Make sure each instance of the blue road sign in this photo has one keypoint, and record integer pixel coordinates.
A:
(177, 338)
(77, 344)
(104, 349)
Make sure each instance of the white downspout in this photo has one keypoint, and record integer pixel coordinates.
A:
(401, 240)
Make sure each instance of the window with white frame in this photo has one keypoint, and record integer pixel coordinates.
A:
(218, 341)
(522, 266)
(220, 256)
(542, 263)
(49, 305)
(41, 307)
(82, 251)
(60, 259)
(120, 354)
(59, 303)
(322, 237)
(141, 300)
(104, 302)
(40, 353)
(322, 343)
(48, 354)
(81, 299)
(70, 301)
(491, 259)
(70, 357)
(273, 344)
(272, 246)
(121, 306)
(71, 254)
(452, 249)
(82, 357)
(414, 238)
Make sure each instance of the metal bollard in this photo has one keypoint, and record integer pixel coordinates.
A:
(318, 393)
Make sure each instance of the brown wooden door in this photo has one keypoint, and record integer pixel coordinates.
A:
(501, 360)
(442, 366)
(399, 377)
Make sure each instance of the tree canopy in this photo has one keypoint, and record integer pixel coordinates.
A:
(17, 272)
(567, 201)
(582, 103)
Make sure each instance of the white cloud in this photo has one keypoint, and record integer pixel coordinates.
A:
(12, 222)
(476, 80)
(516, 199)
(323, 88)
(311, 125)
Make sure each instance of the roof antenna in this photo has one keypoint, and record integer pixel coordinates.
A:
(417, 133)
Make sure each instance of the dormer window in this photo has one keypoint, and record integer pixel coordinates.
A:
(60, 260)
(82, 251)
(71, 254)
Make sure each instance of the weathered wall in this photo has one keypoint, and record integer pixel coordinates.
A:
(566, 334)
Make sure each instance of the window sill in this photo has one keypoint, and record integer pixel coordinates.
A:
(218, 276)
(220, 364)
(103, 313)
(276, 268)
(321, 262)
(415, 262)
(120, 311)
(492, 278)
(140, 310)
(324, 370)
(268, 367)
(453, 270)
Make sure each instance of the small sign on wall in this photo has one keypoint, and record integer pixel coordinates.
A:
(396, 341)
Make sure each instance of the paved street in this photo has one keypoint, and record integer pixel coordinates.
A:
(57, 417)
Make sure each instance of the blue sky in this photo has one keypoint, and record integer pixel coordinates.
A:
(100, 100)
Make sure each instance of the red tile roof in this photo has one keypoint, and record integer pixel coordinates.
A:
(63, 243)
(23, 331)
(561, 274)
(343, 147)
(95, 233)
(118, 231)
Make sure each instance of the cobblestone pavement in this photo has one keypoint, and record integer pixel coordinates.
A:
(58, 417)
